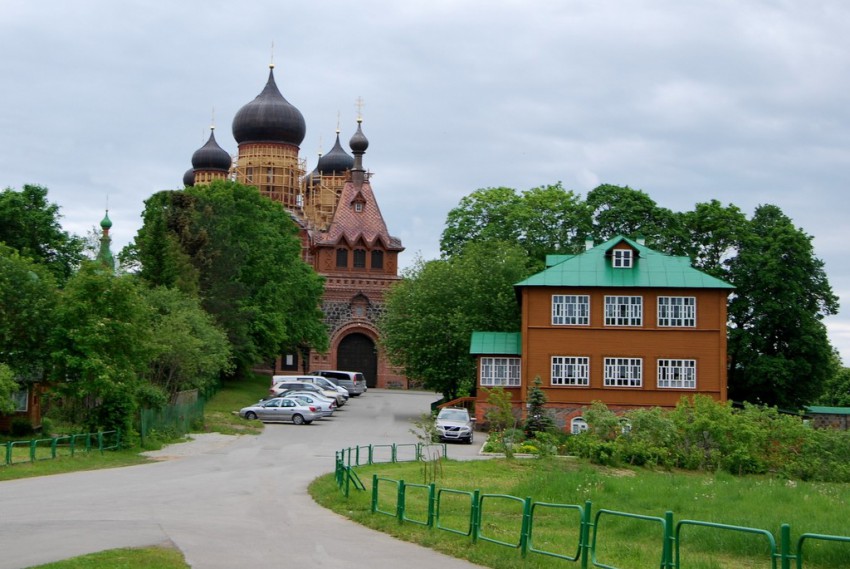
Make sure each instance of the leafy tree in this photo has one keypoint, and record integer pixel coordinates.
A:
(191, 352)
(779, 352)
(101, 347)
(620, 210)
(484, 215)
(539, 419)
(8, 386)
(542, 220)
(431, 314)
(710, 235)
(30, 224)
(241, 253)
(27, 302)
(837, 388)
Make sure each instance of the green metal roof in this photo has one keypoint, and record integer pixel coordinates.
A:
(650, 268)
(495, 343)
(828, 410)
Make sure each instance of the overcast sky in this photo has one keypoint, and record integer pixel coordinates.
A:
(743, 102)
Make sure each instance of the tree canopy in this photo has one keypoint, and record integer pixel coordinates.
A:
(430, 315)
(30, 224)
(779, 352)
(27, 303)
(101, 346)
(239, 252)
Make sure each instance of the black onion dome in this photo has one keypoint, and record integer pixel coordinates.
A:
(336, 161)
(189, 178)
(211, 156)
(269, 118)
(358, 142)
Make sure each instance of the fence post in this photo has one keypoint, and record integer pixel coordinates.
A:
(525, 527)
(374, 493)
(371, 453)
(432, 503)
(53, 445)
(393, 453)
(32, 450)
(399, 507)
(357, 455)
(9, 453)
(475, 513)
(584, 535)
(785, 547)
(667, 548)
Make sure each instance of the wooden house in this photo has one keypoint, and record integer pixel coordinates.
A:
(618, 323)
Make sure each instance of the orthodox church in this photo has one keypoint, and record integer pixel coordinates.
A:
(343, 234)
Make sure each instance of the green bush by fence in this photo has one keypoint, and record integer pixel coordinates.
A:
(55, 447)
(570, 532)
(175, 419)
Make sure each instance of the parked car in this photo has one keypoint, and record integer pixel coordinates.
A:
(288, 385)
(353, 381)
(281, 409)
(326, 406)
(323, 382)
(454, 424)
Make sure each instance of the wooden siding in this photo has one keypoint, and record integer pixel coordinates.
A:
(541, 340)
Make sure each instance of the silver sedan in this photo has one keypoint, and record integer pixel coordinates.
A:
(280, 410)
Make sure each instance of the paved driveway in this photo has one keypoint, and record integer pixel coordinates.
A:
(241, 503)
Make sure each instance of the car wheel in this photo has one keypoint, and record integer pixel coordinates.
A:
(298, 419)
(250, 415)
(469, 440)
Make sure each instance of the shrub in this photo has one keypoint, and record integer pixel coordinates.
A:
(21, 427)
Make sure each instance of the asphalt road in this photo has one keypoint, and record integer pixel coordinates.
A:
(240, 503)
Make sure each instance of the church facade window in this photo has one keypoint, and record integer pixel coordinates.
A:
(377, 259)
(342, 258)
(359, 258)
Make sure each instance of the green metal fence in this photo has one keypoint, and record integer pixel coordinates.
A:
(32, 450)
(512, 522)
(346, 459)
(176, 418)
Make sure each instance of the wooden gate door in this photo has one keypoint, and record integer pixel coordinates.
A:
(357, 352)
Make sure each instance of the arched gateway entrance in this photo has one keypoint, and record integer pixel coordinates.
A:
(357, 352)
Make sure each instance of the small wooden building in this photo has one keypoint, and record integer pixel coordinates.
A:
(829, 417)
(28, 407)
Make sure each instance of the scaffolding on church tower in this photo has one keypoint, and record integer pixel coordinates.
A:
(274, 169)
(321, 195)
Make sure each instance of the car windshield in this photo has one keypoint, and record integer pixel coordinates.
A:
(453, 415)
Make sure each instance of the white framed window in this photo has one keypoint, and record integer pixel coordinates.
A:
(578, 425)
(622, 258)
(623, 310)
(500, 372)
(571, 309)
(677, 374)
(623, 372)
(21, 400)
(358, 206)
(570, 370)
(677, 311)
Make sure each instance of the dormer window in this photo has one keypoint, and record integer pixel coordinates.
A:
(358, 206)
(623, 258)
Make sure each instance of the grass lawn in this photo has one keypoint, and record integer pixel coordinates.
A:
(130, 558)
(219, 414)
(755, 502)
